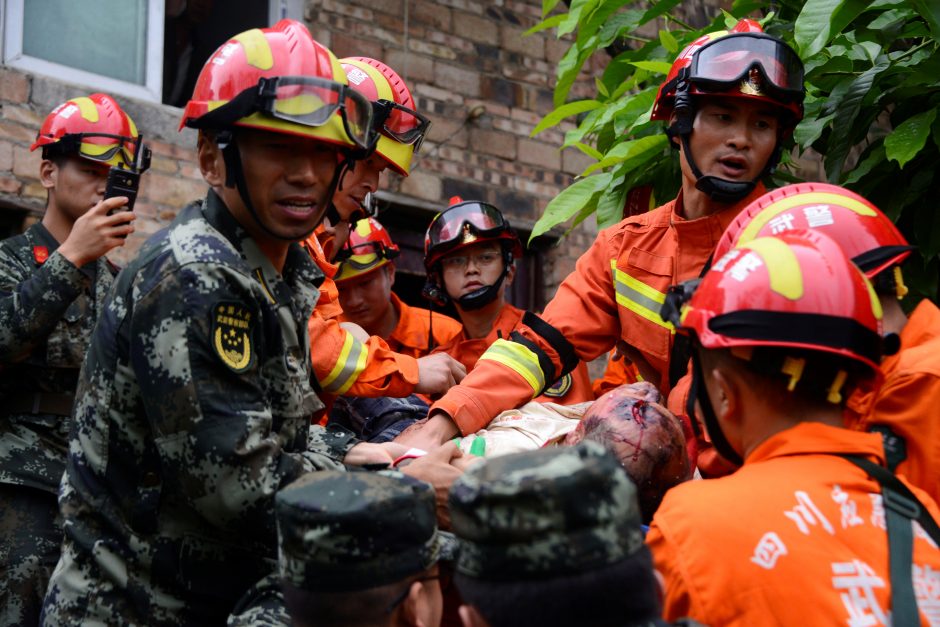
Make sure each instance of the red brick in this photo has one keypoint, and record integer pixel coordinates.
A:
(344, 45)
(23, 115)
(573, 161)
(431, 13)
(539, 153)
(494, 143)
(446, 129)
(464, 5)
(362, 29)
(18, 133)
(26, 163)
(491, 107)
(14, 86)
(172, 191)
(434, 50)
(410, 66)
(452, 42)
(174, 151)
(346, 8)
(513, 40)
(435, 93)
(6, 156)
(35, 190)
(10, 185)
(477, 28)
(162, 164)
(422, 185)
(462, 81)
(388, 6)
(555, 49)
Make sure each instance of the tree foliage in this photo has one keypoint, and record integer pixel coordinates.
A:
(872, 82)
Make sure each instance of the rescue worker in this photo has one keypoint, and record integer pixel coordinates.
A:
(469, 253)
(377, 563)
(346, 360)
(365, 279)
(550, 537)
(731, 98)
(53, 282)
(194, 402)
(904, 409)
(783, 328)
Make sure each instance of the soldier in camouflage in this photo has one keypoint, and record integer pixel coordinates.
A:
(53, 283)
(195, 400)
(550, 537)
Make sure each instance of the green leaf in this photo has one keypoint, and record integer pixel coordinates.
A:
(610, 204)
(548, 6)
(657, 67)
(570, 22)
(889, 18)
(627, 21)
(562, 112)
(601, 88)
(568, 69)
(844, 125)
(865, 166)
(909, 137)
(545, 24)
(589, 151)
(577, 197)
(633, 149)
(810, 129)
(930, 11)
(821, 20)
(669, 42)
(659, 9)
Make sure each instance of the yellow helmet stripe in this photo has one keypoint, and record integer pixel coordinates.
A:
(783, 268)
(87, 107)
(257, 50)
(383, 89)
(774, 209)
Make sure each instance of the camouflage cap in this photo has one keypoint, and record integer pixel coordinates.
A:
(345, 531)
(544, 513)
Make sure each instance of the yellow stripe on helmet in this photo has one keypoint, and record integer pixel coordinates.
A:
(784, 204)
(257, 49)
(783, 268)
(87, 107)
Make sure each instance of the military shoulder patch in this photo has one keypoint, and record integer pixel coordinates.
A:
(232, 326)
(560, 387)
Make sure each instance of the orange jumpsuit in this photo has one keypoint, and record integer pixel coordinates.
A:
(574, 387)
(615, 292)
(909, 400)
(795, 537)
(618, 372)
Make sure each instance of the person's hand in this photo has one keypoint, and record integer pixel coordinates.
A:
(367, 453)
(438, 469)
(96, 232)
(437, 373)
(631, 354)
(429, 433)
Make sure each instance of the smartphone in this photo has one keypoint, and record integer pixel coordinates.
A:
(126, 181)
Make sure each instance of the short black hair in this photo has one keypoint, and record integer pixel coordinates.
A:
(357, 608)
(621, 594)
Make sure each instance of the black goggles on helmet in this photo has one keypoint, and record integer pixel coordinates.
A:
(402, 124)
(676, 298)
(730, 61)
(101, 147)
(482, 219)
(305, 100)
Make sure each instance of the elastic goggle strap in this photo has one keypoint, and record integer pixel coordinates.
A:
(699, 392)
(410, 127)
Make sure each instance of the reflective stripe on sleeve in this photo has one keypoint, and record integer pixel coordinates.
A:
(518, 358)
(349, 365)
(639, 297)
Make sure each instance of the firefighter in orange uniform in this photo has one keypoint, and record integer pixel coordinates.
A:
(732, 98)
(365, 278)
(347, 360)
(469, 253)
(905, 409)
(782, 329)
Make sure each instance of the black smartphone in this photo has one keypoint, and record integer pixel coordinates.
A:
(126, 181)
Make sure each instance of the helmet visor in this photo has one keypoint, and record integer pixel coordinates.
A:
(402, 124)
(103, 147)
(729, 61)
(312, 101)
(365, 254)
(448, 226)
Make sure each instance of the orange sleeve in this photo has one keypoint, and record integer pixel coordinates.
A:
(345, 366)
(677, 601)
(618, 372)
(584, 311)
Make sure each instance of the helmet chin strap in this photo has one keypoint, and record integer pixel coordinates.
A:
(235, 177)
(482, 297)
(698, 392)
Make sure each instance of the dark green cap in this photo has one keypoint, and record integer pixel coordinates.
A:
(345, 531)
(555, 511)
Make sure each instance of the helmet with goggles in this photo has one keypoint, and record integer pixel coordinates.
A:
(91, 127)
(791, 305)
(741, 63)
(399, 129)
(279, 79)
(865, 234)
(369, 247)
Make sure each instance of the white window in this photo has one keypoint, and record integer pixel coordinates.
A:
(110, 45)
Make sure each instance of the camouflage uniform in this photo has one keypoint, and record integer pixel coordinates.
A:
(48, 309)
(193, 410)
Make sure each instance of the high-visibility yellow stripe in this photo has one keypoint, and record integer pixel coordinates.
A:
(519, 359)
(349, 365)
(638, 297)
(783, 268)
(87, 107)
(774, 209)
(257, 50)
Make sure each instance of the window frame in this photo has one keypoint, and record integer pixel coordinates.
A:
(151, 90)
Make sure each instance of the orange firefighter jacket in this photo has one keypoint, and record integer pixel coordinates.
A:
(796, 536)
(615, 292)
(909, 400)
(618, 372)
(344, 365)
(574, 387)
(415, 324)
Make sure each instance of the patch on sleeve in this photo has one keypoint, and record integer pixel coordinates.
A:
(560, 388)
(232, 330)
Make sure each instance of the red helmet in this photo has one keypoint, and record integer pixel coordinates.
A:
(743, 62)
(279, 79)
(399, 128)
(866, 235)
(797, 289)
(464, 223)
(369, 247)
(94, 127)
